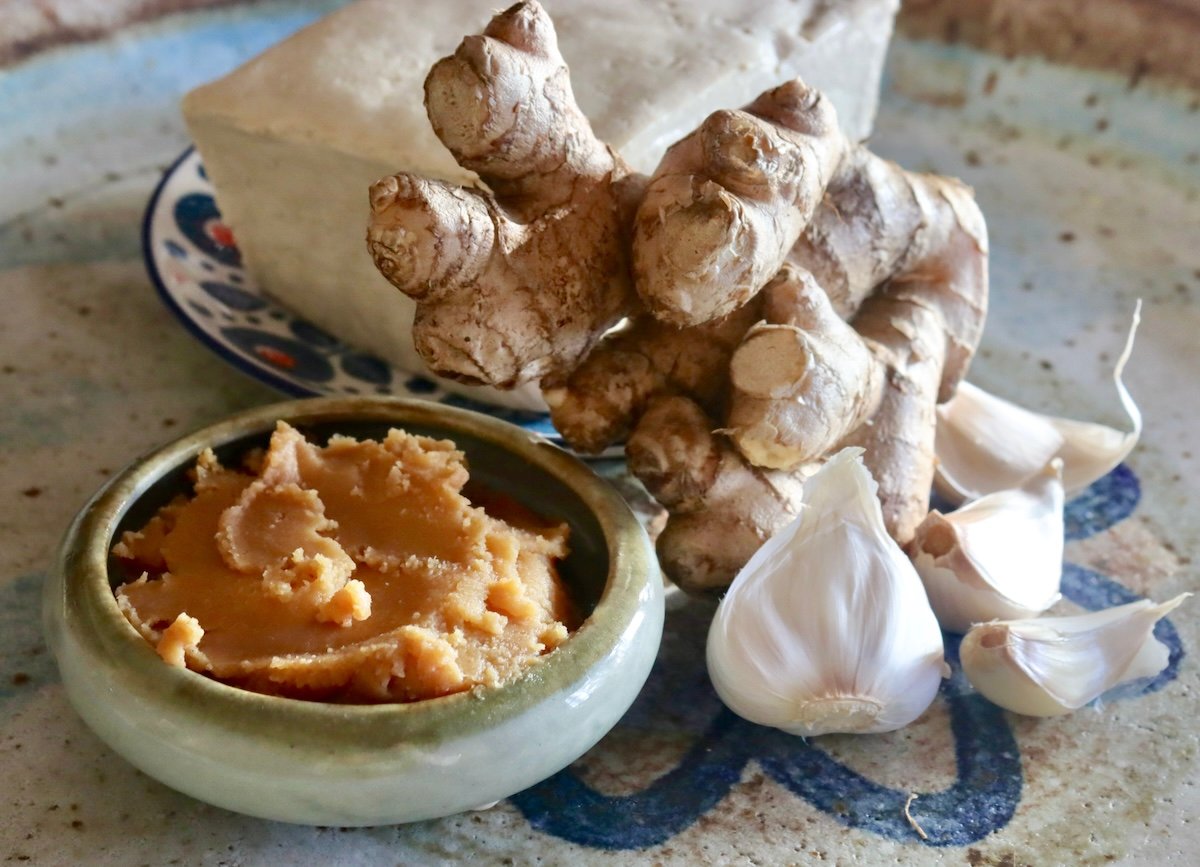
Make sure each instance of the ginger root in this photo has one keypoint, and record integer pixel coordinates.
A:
(721, 508)
(520, 282)
(875, 295)
(599, 403)
(728, 202)
(801, 379)
(789, 292)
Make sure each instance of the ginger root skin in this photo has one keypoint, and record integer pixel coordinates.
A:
(720, 507)
(871, 283)
(726, 203)
(801, 379)
(902, 256)
(518, 281)
(599, 403)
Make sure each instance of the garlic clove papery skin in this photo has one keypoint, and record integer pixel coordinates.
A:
(986, 444)
(998, 558)
(1091, 451)
(827, 628)
(1054, 665)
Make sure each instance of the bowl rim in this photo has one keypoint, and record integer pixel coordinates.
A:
(94, 620)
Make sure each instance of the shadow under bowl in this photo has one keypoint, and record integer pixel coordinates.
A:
(340, 764)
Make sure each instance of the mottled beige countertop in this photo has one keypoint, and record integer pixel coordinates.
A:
(1078, 123)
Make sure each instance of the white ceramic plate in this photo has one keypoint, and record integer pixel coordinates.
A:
(197, 268)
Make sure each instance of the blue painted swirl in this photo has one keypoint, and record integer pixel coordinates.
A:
(1103, 504)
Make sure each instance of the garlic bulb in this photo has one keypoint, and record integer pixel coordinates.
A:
(827, 628)
(985, 444)
(1054, 665)
(998, 558)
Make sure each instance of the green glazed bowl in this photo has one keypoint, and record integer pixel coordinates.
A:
(329, 764)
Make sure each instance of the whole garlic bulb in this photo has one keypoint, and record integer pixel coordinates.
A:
(1054, 665)
(827, 628)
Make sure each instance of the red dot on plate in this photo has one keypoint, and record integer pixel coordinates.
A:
(274, 356)
(220, 233)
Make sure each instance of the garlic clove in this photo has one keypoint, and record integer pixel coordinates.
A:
(998, 558)
(1054, 665)
(985, 443)
(827, 628)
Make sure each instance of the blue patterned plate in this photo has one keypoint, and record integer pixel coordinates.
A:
(197, 268)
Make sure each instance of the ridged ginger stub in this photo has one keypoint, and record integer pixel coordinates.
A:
(520, 280)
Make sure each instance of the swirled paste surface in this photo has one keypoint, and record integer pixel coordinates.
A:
(357, 571)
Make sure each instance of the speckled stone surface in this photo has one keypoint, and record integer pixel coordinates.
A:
(1091, 189)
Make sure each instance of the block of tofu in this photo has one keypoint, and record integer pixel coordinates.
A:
(293, 138)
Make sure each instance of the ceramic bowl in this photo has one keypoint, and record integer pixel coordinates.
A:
(331, 764)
